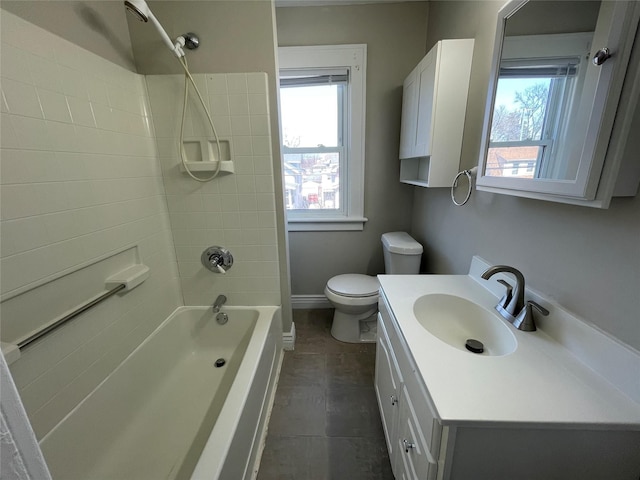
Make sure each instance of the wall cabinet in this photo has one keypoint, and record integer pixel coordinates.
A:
(434, 104)
(585, 151)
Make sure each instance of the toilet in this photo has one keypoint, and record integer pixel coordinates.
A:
(355, 296)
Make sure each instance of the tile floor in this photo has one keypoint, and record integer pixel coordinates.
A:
(325, 423)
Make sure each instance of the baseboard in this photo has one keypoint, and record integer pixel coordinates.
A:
(289, 338)
(300, 302)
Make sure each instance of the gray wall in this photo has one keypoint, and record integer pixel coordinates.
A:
(395, 37)
(586, 259)
(235, 36)
(98, 26)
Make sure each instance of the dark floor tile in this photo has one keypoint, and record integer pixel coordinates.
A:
(352, 411)
(298, 411)
(313, 334)
(303, 370)
(294, 458)
(325, 422)
(350, 369)
(318, 321)
(336, 346)
(358, 459)
(322, 458)
(310, 342)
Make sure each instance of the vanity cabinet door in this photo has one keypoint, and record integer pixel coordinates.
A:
(414, 460)
(387, 385)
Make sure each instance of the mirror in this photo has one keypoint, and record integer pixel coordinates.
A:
(540, 81)
(550, 108)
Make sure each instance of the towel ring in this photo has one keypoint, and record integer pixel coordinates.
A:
(470, 174)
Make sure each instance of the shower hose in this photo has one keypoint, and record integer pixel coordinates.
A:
(183, 154)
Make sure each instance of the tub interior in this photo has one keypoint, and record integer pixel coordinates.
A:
(146, 420)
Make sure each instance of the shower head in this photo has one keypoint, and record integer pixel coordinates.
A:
(143, 13)
(139, 8)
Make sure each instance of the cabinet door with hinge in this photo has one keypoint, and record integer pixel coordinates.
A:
(387, 385)
(414, 461)
(426, 99)
(409, 115)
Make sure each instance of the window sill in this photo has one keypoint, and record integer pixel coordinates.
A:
(326, 224)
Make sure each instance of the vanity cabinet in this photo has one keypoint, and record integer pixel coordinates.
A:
(434, 104)
(411, 430)
(425, 445)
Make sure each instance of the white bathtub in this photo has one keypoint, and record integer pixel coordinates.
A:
(167, 412)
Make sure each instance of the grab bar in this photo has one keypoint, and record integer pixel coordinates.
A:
(32, 338)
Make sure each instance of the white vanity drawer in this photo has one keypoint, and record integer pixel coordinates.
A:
(416, 461)
(425, 413)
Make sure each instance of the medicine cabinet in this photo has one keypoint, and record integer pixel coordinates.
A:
(434, 102)
(561, 102)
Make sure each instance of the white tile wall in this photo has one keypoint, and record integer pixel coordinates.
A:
(79, 178)
(235, 211)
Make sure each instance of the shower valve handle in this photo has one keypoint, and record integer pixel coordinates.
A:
(217, 259)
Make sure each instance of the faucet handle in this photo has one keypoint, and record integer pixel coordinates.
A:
(538, 307)
(525, 321)
(508, 296)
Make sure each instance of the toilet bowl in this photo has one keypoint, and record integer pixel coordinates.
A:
(355, 296)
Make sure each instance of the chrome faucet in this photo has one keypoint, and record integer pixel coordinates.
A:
(513, 300)
(220, 301)
(512, 305)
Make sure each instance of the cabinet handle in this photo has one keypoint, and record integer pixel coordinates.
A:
(601, 56)
(394, 400)
(408, 445)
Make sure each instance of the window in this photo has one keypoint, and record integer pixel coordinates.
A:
(322, 106)
(313, 144)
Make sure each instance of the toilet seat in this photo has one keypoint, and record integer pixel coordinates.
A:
(354, 285)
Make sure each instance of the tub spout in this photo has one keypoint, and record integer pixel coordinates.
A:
(220, 301)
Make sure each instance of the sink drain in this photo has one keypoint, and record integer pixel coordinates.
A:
(474, 346)
(220, 362)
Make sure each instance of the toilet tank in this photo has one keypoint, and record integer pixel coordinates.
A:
(402, 253)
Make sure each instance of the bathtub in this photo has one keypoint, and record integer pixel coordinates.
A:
(168, 412)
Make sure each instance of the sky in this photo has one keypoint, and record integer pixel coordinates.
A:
(507, 88)
(311, 113)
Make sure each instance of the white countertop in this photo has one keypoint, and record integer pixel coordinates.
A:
(540, 383)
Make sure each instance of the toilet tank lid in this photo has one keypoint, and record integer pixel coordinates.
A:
(401, 242)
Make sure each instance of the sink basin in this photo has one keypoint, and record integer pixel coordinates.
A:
(455, 320)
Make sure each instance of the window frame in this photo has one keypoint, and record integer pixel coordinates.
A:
(339, 149)
(352, 57)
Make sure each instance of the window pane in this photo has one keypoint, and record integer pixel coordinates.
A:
(310, 116)
(520, 109)
(312, 180)
(515, 161)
